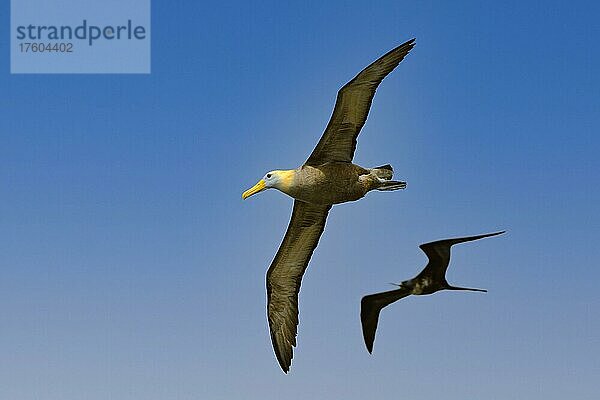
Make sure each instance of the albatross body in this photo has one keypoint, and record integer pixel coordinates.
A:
(327, 177)
(330, 183)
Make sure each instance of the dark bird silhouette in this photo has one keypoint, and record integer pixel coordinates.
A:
(430, 280)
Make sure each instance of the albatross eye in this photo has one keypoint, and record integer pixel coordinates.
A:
(268, 176)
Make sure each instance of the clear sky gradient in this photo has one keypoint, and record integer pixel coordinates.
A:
(130, 268)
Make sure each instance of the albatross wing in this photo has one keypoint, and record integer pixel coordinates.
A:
(352, 107)
(285, 275)
(371, 306)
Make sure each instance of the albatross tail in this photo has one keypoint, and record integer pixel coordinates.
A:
(384, 172)
(383, 176)
(386, 186)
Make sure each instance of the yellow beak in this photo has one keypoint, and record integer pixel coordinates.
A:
(259, 187)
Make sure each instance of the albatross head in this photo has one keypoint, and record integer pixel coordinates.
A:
(278, 179)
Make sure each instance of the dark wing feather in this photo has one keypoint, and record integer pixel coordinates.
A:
(438, 253)
(285, 275)
(352, 107)
(371, 306)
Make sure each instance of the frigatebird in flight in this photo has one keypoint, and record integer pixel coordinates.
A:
(430, 280)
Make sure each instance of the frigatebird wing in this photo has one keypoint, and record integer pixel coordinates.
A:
(371, 306)
(438, 253)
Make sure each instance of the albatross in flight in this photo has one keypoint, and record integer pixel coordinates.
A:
(328, 177)
(430, 280)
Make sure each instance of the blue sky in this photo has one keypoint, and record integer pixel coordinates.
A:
(131, 268)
